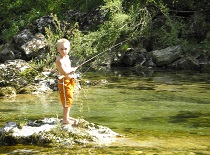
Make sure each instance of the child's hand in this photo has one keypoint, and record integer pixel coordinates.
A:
(74, 69)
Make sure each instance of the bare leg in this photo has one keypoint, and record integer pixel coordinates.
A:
(66, 118)
(66, 111)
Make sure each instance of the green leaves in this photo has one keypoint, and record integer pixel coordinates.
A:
(112, 7)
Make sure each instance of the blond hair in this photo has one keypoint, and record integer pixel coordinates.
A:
(63, 40)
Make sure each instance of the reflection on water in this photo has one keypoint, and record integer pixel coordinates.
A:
(160, 112)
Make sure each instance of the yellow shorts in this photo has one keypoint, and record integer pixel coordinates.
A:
(66, 89)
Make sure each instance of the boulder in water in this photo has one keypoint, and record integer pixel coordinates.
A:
(50, 131)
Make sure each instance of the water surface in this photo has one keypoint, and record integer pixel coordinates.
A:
(157, 112)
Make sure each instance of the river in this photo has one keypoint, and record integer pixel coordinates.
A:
(157, 112)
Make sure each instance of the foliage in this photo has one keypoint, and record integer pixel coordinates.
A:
(52, 35)
(205, 45)
(188, 5)
(176, 28)
(29, 74)
(84, 45)
(17, 14)
(123, 20)
(14, 15)
(119, 25)
(166, 32)
(141, 19)
(7, 91)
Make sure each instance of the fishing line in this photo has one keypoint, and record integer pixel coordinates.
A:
(79, 75)
(102, 52)
(144, 16)
(97, 55)
(89, 67)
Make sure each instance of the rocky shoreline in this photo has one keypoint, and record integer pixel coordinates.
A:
(17, 76)
(50, 131)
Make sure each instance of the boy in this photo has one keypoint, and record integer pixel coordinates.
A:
(66, 82)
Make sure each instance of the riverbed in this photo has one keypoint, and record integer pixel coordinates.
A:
(155, 112)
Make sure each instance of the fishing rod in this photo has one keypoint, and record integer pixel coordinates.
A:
(101, 53)
(90, 59)
(120, 43)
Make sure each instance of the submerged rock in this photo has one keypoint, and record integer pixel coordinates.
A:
(50, 131)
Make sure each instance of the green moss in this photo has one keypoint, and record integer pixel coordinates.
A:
(7, 91)
(26, 89)
(29, 73)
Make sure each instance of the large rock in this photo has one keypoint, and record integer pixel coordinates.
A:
(25, 79)
(11, 69)
(166, 56)
(44, 22)
(131, 57)
(186, 63)
(128, 59)
(30, 44)
(51, 131)
(86, 21)
(7, 91)
(6, 53)
(10, 76)
(25, 45)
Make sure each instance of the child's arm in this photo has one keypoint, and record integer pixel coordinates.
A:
(64, 70)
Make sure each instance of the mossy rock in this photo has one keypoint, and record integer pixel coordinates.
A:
(51, 132)
(27, 89)
(29, 73)
(7, 91)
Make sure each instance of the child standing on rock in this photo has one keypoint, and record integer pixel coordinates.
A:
(66, 80)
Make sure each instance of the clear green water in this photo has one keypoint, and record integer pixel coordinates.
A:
(158, 113)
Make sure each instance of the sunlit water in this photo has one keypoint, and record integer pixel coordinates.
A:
(158, 113)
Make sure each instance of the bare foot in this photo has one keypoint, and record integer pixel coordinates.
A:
(71, 119)
(66, 122)
(74, 121)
